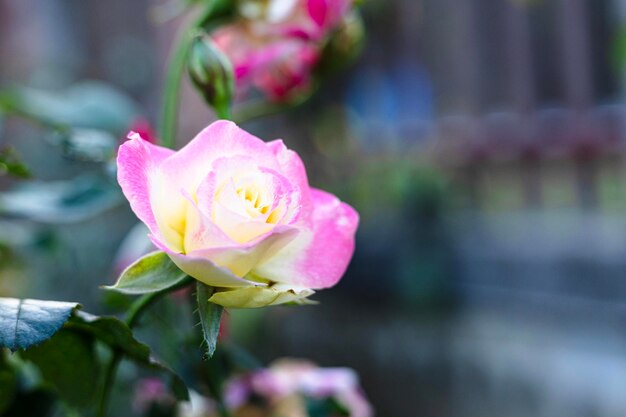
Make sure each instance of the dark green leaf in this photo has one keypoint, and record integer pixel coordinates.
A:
(8, 383)
(11, 164)
(39, 402)
(325, 407)
(152, 273)
(210, 316)
(67, 362)
(119, 337)
(24, 323)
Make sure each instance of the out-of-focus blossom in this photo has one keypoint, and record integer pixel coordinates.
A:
(306, 19)
(277, 44)
(279, 68)
(238, 214)
(151, 392)
(287, 387)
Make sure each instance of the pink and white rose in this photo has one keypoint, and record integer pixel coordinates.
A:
(238, 214)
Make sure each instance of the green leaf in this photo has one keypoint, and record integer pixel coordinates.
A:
(325, 407)
(39, 402)
(152, 273)
(89, 104)
(210, 317)
(90, 145)
(8, 383)
(11, 164)
(116, 334)
(24, 323)
(64, 201)
(67, 361)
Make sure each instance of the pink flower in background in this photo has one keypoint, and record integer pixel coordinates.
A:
(238, 214)
(279, 68)
(289, 378)
(306, 19)
(150, 391)
(276, 47)
(285, 68)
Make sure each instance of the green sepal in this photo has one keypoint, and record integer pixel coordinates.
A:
(154, 272)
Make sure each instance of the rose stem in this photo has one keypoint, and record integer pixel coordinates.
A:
(171, 93)
(133, 315)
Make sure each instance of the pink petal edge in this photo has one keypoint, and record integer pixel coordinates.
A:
(317, 259)
(137, 161)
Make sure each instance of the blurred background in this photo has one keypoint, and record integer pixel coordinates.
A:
(482, 141)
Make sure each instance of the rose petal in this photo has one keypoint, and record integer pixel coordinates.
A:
(203, 269)
(319, 258)
(254, 297)
(318, 11)
(241, 259)
(190, 165)
(200, 231)
(137, 162)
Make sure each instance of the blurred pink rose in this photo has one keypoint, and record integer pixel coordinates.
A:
(150, 391)
(289, 378)
(277, 46)
(279, 68)
(238, 214)
(306, 19)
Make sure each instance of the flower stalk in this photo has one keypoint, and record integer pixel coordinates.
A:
(133, 314)
(171, 94)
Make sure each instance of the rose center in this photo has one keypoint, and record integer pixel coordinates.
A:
(254, 200)
(253, 197)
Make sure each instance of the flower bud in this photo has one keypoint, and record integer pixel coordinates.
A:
(212, 74)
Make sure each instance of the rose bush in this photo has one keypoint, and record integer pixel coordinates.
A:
(238, 214)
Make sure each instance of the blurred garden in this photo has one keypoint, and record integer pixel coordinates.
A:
(440, 233)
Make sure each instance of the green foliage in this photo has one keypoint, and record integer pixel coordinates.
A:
(210, 317)
(25, 323)
(11, 164)
(325, 407)
(154, 272)
(8, 383)
(88, 104)
(61, 201)
(344, 46)
(67, 362)
(60, 341)
(117, 335)
(91, 145)
(39, 402)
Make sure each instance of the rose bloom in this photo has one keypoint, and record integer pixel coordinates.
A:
(277, 44)
(279, 68)
(307, 19)
(238, 214)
